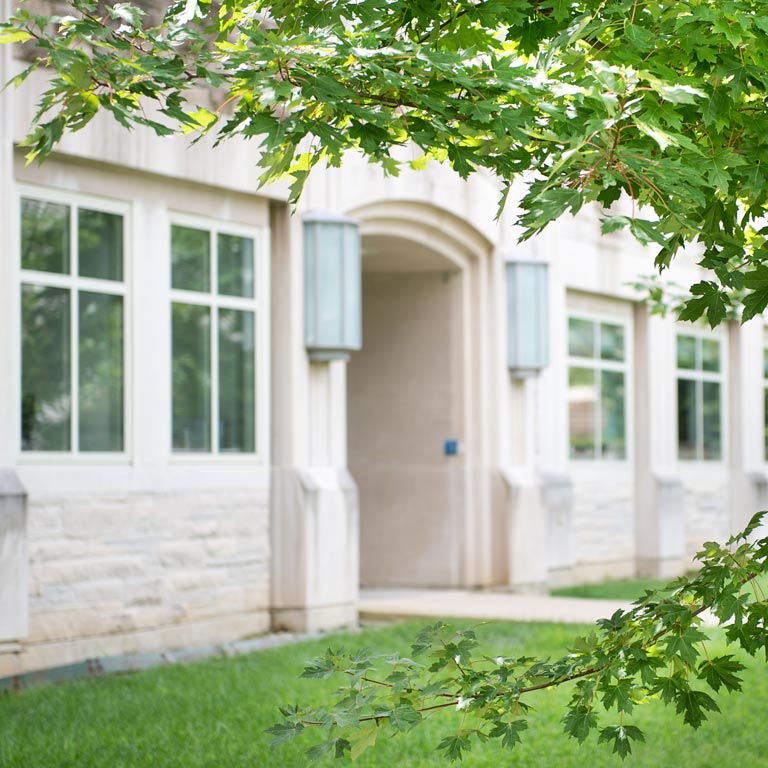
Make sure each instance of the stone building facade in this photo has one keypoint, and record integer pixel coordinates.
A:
(147, 506)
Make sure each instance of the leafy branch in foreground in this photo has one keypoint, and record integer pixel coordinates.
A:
(662, 102)
(656, 651)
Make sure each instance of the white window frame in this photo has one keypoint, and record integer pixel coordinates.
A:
(598, 364)
(260, 307)
(700, 376)
(74, 284)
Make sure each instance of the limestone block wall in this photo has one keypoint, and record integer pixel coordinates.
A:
(603, 525)
(706, 509)
(123, 573)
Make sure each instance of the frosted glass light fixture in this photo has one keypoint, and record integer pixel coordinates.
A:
(527, 316)
(332, 286)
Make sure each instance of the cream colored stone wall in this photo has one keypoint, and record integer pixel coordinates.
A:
(130, 572)
(705, 503)
(603, 526)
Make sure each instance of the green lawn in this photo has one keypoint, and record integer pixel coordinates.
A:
(214, 713)
(629, 589)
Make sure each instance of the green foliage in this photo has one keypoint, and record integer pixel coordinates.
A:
(660, 101)
(214, 712)
(656, 651)
(625, 589)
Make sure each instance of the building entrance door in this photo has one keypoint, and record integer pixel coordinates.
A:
(405, 416)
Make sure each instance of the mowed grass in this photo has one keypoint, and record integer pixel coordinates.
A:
(629, 589)
(214, 713)
(632, 589)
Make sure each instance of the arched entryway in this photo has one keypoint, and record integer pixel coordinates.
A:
(418, 421)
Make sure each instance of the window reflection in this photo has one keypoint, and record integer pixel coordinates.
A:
(582, 403)
(581, 337)
(686, 418)
(235, 264)
(190, 259)
(596, 389)
(45, 236)
(613, 426)
(191, 377)
(46, 401)
(99, 244)
(699, 409)
(236, 381)
(101, 372)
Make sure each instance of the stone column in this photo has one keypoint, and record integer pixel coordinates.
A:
(659, 518)
(314, 508)
(9, 291)
(540, 491)
(745, 439)
(14, 571)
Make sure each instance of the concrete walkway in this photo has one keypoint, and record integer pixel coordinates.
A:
(383, 604)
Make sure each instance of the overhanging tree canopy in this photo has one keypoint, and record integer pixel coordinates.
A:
(661, 100)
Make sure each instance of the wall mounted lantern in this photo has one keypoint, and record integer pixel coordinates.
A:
(527, 316)
(332, 286)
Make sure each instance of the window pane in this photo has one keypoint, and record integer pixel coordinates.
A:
(686, 352)
(710, 355)
(611, 341)
(582, 401)
(236, 381)
(613, 426)
(686, 419)
(45, 369)
(44, 236)
(711, 419)
(235, 265)
(100, 244)
(191, 330)
(581, 337)
(100, 372)
(190, 259)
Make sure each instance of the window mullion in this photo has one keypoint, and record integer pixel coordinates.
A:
(214, 282)
(215, 379)
(597, 336)
(48, 279)
(74, 340)
(100, 286)
(699, 419)
(598, 413)
(257, 351)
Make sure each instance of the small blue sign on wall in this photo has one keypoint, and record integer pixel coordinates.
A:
(451, 447)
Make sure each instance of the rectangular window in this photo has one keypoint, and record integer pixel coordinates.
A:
(214, 316)
(597, 371)
(73, 328)
(699, 396)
